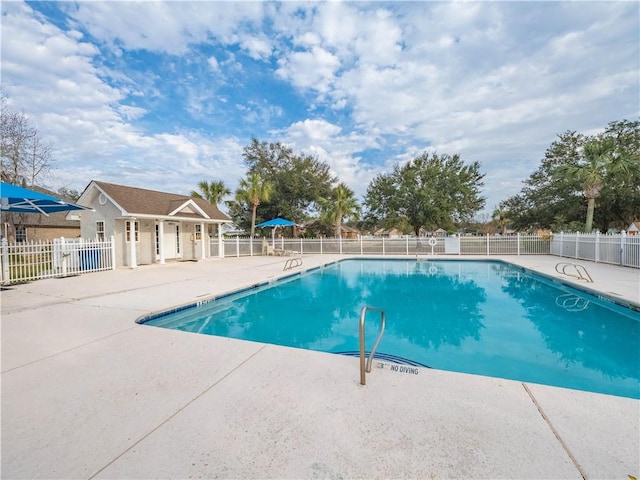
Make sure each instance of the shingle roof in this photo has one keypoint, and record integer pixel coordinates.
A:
(151, 202)
(56, 219)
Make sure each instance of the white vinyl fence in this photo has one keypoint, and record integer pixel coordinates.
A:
(22, 262)
(620, 249)
(30, 261)
(480, 245)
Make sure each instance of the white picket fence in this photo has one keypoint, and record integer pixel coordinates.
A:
(22, 262)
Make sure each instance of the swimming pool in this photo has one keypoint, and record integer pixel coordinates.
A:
(480, 317)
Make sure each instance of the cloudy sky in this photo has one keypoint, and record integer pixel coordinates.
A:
(162, 95)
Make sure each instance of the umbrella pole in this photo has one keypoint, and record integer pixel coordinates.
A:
(36, 207)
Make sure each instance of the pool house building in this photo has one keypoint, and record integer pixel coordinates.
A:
(149, 226)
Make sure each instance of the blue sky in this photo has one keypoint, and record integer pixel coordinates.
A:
(162, 95)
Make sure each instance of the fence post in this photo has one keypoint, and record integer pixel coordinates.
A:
(596, 253)
(64, 254)
(340, 242)
(487, 244)
(383, 246)
(407, 243)
(623, 241)
(577, 244)
(301, 246)
(361, 249)
(113, 252)
(320, 245)
(518, 241)
(5, 261)
(459, 245)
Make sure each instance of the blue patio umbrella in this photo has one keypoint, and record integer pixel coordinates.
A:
(275, 223)
(24, 200)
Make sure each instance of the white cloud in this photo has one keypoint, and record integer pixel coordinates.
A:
(131, 113)
(91, 130)
(494, 81)
(340, 150)
(313, 69)
(169, 27)
(258, 48)
(213, 63)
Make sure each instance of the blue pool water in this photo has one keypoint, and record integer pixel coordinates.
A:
(487, 318)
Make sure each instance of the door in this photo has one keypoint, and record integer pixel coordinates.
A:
(171, 241)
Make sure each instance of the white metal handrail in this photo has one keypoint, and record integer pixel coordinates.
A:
(364, 370)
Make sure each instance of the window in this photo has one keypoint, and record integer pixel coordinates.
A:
(21, 233)
(128, 231)
(198, 231)
(100, 231)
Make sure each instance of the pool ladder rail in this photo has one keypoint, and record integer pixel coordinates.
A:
(576, 270)
(367, 369)
(292, 263)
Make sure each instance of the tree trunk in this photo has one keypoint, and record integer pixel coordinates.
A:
(253, 219)
(591, 205)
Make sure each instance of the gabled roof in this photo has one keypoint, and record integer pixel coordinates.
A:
(140, 201)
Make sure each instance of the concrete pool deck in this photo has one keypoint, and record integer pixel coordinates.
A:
(88, 393)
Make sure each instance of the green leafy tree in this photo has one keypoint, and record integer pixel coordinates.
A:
(590, 172)
(299, 181)
(213, 192)
(252, 191)
(342, 205)
(619, 202)
(551, 200)
(542, 199)
(429, 191)
(600, 161)
(501, 218)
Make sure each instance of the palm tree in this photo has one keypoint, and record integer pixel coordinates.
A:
(212, 192)
(342, 205)
(500, 218)
(599, 159)
(254, 190)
